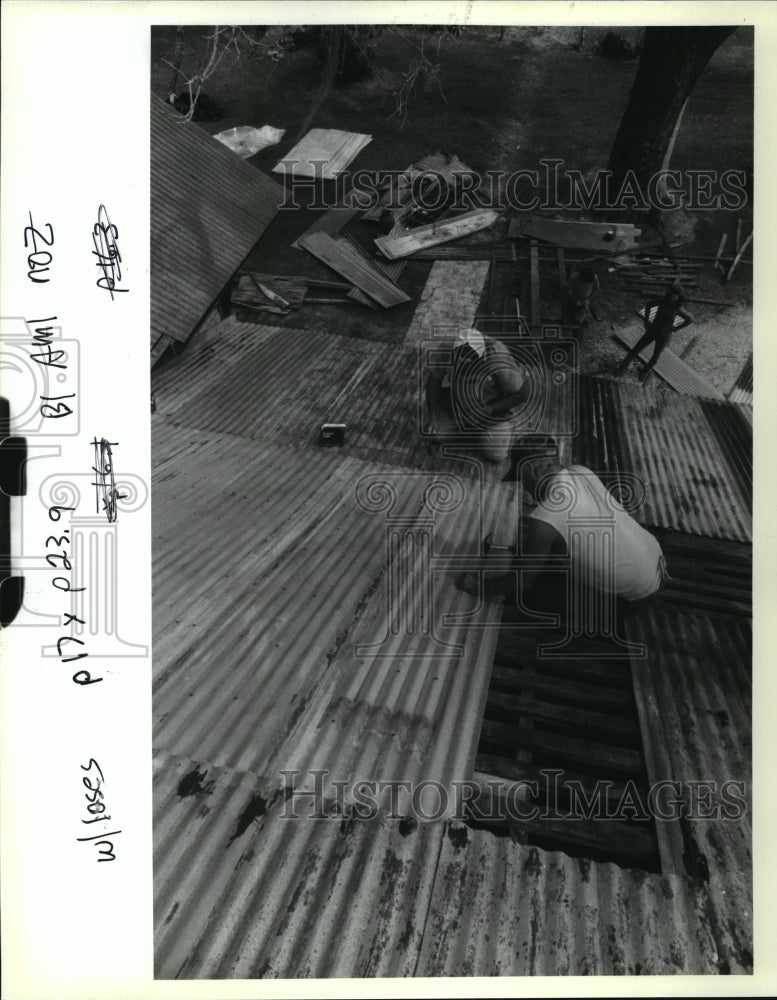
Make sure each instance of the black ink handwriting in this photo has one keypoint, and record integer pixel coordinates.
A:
(106, 250)
(105, 480)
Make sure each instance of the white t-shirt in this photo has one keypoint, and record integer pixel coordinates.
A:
(607, 547)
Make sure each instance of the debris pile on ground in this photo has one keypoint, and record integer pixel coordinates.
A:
(245, 140)
(423, 192)
(282, 293)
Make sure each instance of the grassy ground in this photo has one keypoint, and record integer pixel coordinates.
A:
(501, 105)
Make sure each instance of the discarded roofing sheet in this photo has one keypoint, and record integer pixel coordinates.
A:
(669, 366)
(323, 152)
(342, 256)
(208, 209)
(692, 456)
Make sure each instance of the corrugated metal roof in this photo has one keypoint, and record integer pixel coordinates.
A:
(280, 384)
(208, 209)
(243, 892)
(693, 456)
(292, 558)
(271, 578)
(700, 670)
(742, 391)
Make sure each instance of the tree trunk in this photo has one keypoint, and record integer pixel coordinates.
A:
(672, 61)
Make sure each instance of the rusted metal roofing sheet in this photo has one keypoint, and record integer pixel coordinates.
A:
(243, 892)
(208, 209)
(694, 457)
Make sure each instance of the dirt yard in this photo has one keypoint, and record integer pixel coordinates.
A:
(500, 101)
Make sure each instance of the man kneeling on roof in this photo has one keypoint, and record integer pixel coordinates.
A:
(576, 518)
(475, 396)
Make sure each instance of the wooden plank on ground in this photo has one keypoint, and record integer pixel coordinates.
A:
(449, 300)
(342, 257)
(562, 268)
(738, 257)
(465, 251)
(391, 268)
(335, 148)
(404, 243)
(582, 235)
(334, 219)
(674, 371)
(534, 267)
(658, 763)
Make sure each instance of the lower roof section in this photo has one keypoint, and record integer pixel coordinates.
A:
(244, 890)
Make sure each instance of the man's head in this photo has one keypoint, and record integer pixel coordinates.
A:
(674, 293)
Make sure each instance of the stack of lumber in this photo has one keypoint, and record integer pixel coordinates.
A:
(648, 274)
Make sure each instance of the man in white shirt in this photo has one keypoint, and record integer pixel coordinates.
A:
(601, 545)
(476, 397)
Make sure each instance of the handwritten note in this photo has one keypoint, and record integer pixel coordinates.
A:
(106, 248)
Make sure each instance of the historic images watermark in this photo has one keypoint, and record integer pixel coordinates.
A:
(315, 794)
(548, 187)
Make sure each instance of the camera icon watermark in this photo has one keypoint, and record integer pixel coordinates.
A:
(489, 391)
